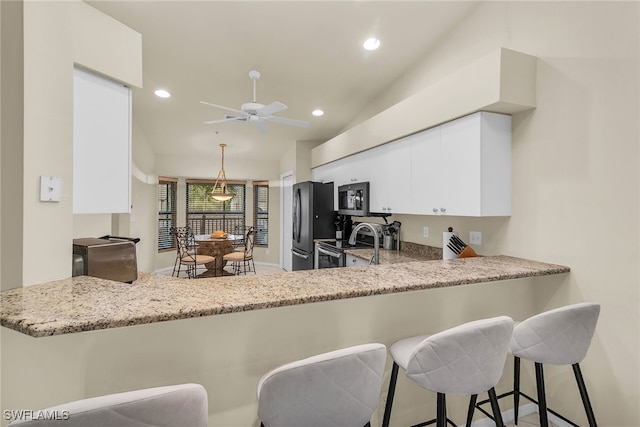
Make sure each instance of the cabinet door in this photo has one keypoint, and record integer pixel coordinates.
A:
(425, 172)
(398, 182)
(354, 261)
(390, 177)
(460, 156)
(476, 165)
(323, 173)
(329, 172)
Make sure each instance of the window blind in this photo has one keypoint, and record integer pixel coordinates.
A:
(166, 212)
(261, 212)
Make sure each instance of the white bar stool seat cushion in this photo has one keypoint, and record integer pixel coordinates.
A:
(467, 359)
(339, 388)
(402, 350)
(558, 337)
(171, 406)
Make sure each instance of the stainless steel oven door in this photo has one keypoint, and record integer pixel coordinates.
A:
(328, 258)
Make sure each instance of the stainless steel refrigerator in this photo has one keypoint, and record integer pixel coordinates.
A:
(313, 218)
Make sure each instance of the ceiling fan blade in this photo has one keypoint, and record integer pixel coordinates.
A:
(224, 108)
(272, 108)
(227, 119)
(290, 122)
(260, 125)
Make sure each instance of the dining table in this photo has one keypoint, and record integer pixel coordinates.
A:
(217, 248)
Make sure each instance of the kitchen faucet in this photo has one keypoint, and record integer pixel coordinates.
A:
(376, 239)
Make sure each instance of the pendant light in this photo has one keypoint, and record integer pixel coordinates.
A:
(219, 191)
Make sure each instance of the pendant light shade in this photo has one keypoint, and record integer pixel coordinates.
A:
(219, 191)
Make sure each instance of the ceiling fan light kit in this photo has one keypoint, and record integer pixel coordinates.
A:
(220, 185)
(255, 112)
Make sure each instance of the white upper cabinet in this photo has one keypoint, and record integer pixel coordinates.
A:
(390, 183)
(426, 172)
(476, 165)
(101, 144)
(463, 167)
(460, 168)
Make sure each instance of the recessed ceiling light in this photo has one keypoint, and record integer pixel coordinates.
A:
(317, 112)
(162, 93)
(371, 43)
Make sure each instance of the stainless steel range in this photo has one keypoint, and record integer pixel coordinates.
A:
(330, 254)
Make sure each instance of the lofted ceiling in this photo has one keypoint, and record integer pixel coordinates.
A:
(309, 53)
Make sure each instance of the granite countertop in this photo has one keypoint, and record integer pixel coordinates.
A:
(87, 303)
(387, 256)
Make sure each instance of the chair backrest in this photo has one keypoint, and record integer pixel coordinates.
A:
(559, 337)
(185, 241)
(170, 406)
(467, 359)
(239, 230)
(339, 388)
(249, 240)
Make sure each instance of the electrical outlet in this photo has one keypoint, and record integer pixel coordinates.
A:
(425, 232)
(475, 237)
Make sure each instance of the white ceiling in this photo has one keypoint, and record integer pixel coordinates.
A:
(309, 53)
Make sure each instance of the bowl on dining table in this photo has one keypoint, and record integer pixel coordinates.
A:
(219, 234)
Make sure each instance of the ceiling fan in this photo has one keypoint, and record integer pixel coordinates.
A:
(255, 112)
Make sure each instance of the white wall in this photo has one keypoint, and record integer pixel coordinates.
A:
(575, 174)
(11, 149)
(57, 35)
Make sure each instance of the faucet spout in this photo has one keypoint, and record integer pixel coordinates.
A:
(376, 239)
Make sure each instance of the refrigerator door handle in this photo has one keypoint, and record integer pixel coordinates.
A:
(299, 254)
(297, 216)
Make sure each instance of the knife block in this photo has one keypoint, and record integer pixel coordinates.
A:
(446, 252)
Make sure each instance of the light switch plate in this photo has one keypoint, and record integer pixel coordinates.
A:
(475, 237)
(50, 188)
(425, 232)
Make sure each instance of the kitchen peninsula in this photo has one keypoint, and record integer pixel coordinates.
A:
(97, 337)
(86, 303)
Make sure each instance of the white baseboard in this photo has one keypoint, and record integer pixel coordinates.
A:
(268, 264)
(509, 416)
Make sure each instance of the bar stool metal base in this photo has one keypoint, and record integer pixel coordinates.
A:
(543, 409)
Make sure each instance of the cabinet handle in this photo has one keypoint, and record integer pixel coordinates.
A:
(443, 210)
(435, 210)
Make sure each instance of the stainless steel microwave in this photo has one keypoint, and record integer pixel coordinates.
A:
(353, 199)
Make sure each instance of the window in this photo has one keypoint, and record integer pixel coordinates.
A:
(205, 215)
(166, 212)
(261, 212)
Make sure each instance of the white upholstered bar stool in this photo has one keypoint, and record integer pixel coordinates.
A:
(171, 406)
(558, 337)
(339, 388)
(467, 359)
